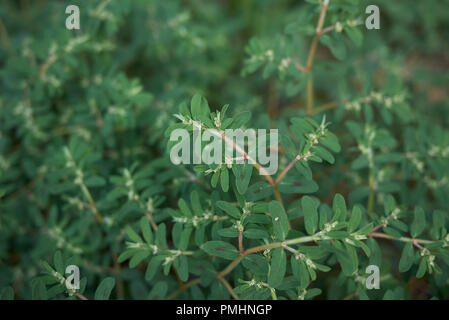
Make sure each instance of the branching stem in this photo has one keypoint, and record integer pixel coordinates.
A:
(249, 158)
(287, 169)
(403, 239)
(285, 244)
(228, 286)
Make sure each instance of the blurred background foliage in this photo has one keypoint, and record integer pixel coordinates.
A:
(116, 82)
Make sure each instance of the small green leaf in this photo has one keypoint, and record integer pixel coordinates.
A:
(330, 141)
(346, 262)
(95, 181)
(323, 154)
(159, 291)
(214, 179)
(137, 258)
(242, 175)
(407, 257)
(279, 220)
(376, 253)
(221, 249)
(229, 209)
(224, 179)
(39, 291)
(184, 239)
(183, 268)
(256, 263)
(47, 267)
(153, 267)
(229, 232)
(277, 267)
(365, 229)
(339, 207)
(299, 270)
(59, 264)
(304, 276)
(195, 202)
(355, 35)
(184, 208)
(104, 289)
(125, 255)
(336, 45)
(322, 267)
(389, 204)
(304, 169)
(132, 235)
(309, 207)
(295, 185)
(419, 222)
(195, 106)
(258, 191)
(311, 293)
(146, 230)
(161, 241)
(354, 220)
(55, 290)
(422, 268)
(255, 234)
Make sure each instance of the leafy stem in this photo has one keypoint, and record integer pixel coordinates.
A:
(311, 238)
(149, 216)
(80, 182)
(403, 239)
(91, 203)
(287, 169)
(284, 244)
(234, 263)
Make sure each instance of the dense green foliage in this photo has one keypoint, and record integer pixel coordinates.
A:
(86, 177)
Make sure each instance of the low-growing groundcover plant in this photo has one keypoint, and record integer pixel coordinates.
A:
(86, 180)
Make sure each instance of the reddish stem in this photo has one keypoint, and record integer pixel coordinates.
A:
(290, 165)
(79, 295)
(241, 242)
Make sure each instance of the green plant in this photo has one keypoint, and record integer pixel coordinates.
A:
(86, 177)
